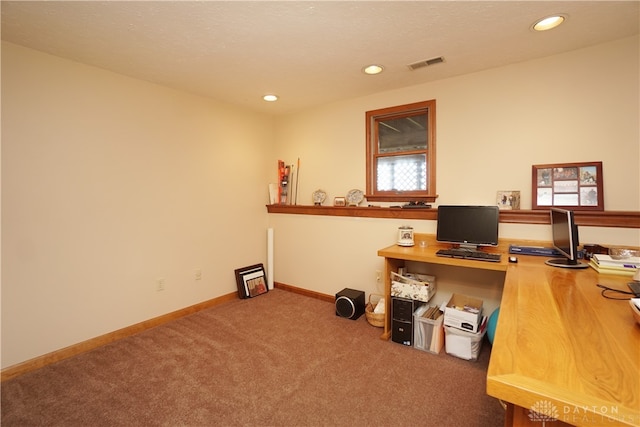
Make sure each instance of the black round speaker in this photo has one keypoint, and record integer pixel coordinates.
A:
(350, 303)
(345, 307)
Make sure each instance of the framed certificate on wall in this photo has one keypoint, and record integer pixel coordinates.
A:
(575, 186)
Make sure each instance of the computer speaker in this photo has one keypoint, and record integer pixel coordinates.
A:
(350, 303)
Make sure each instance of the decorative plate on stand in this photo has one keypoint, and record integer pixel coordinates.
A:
(318, 197)
(354, 197)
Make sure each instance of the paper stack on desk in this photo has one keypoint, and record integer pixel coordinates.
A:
(605, 264)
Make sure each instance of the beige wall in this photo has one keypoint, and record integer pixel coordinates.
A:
(109, 183)
(492, 127)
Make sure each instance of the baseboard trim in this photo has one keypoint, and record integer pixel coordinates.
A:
(305, 292)
(84, 346)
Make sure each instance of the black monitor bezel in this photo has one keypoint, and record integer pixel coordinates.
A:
(444, 236)
(564, 238)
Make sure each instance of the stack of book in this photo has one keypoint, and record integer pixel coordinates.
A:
(604, 264)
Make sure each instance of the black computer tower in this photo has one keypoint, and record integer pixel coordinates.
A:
(402, 319)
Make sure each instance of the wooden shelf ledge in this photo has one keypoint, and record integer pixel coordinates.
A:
(621, 219)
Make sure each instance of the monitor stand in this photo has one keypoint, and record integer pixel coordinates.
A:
(467, 247)
(565, 263)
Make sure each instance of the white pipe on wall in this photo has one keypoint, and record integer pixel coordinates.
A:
(270, 258)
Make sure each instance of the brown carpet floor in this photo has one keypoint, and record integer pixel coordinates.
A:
(280, 359)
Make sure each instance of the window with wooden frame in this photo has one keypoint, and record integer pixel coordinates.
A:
(401, 153)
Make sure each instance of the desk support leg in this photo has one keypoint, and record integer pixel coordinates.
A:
(517, 416)
(390, 265)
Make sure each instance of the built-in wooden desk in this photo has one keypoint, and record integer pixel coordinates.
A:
(395, 257)
(559, 346)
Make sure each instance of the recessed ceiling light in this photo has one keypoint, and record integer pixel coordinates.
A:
(270, 98)
(549, 22)
(373, 69)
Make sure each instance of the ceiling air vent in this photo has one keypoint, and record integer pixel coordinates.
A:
(426, 63)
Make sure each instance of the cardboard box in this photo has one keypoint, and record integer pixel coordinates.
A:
(419, 287)
(463, 312)
(462, 344)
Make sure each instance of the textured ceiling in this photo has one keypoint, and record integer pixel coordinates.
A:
(308, 52)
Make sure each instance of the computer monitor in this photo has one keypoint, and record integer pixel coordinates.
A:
(468, 226)
(565, 239)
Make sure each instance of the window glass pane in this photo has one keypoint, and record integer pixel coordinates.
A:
(402, 173)
(402, 134)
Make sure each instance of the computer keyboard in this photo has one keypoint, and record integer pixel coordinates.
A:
(468, 254)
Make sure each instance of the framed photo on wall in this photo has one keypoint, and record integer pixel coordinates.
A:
(575, 186)
(251, 281)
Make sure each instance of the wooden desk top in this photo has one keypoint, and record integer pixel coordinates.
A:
(559, 344)
(428, 254)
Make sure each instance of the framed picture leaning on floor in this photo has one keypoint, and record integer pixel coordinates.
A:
(251, 281)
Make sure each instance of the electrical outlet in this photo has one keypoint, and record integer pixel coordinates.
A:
(197, 274)
(378, 276)
(160, 284)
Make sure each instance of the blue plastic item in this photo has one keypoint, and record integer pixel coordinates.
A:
(491, 324)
